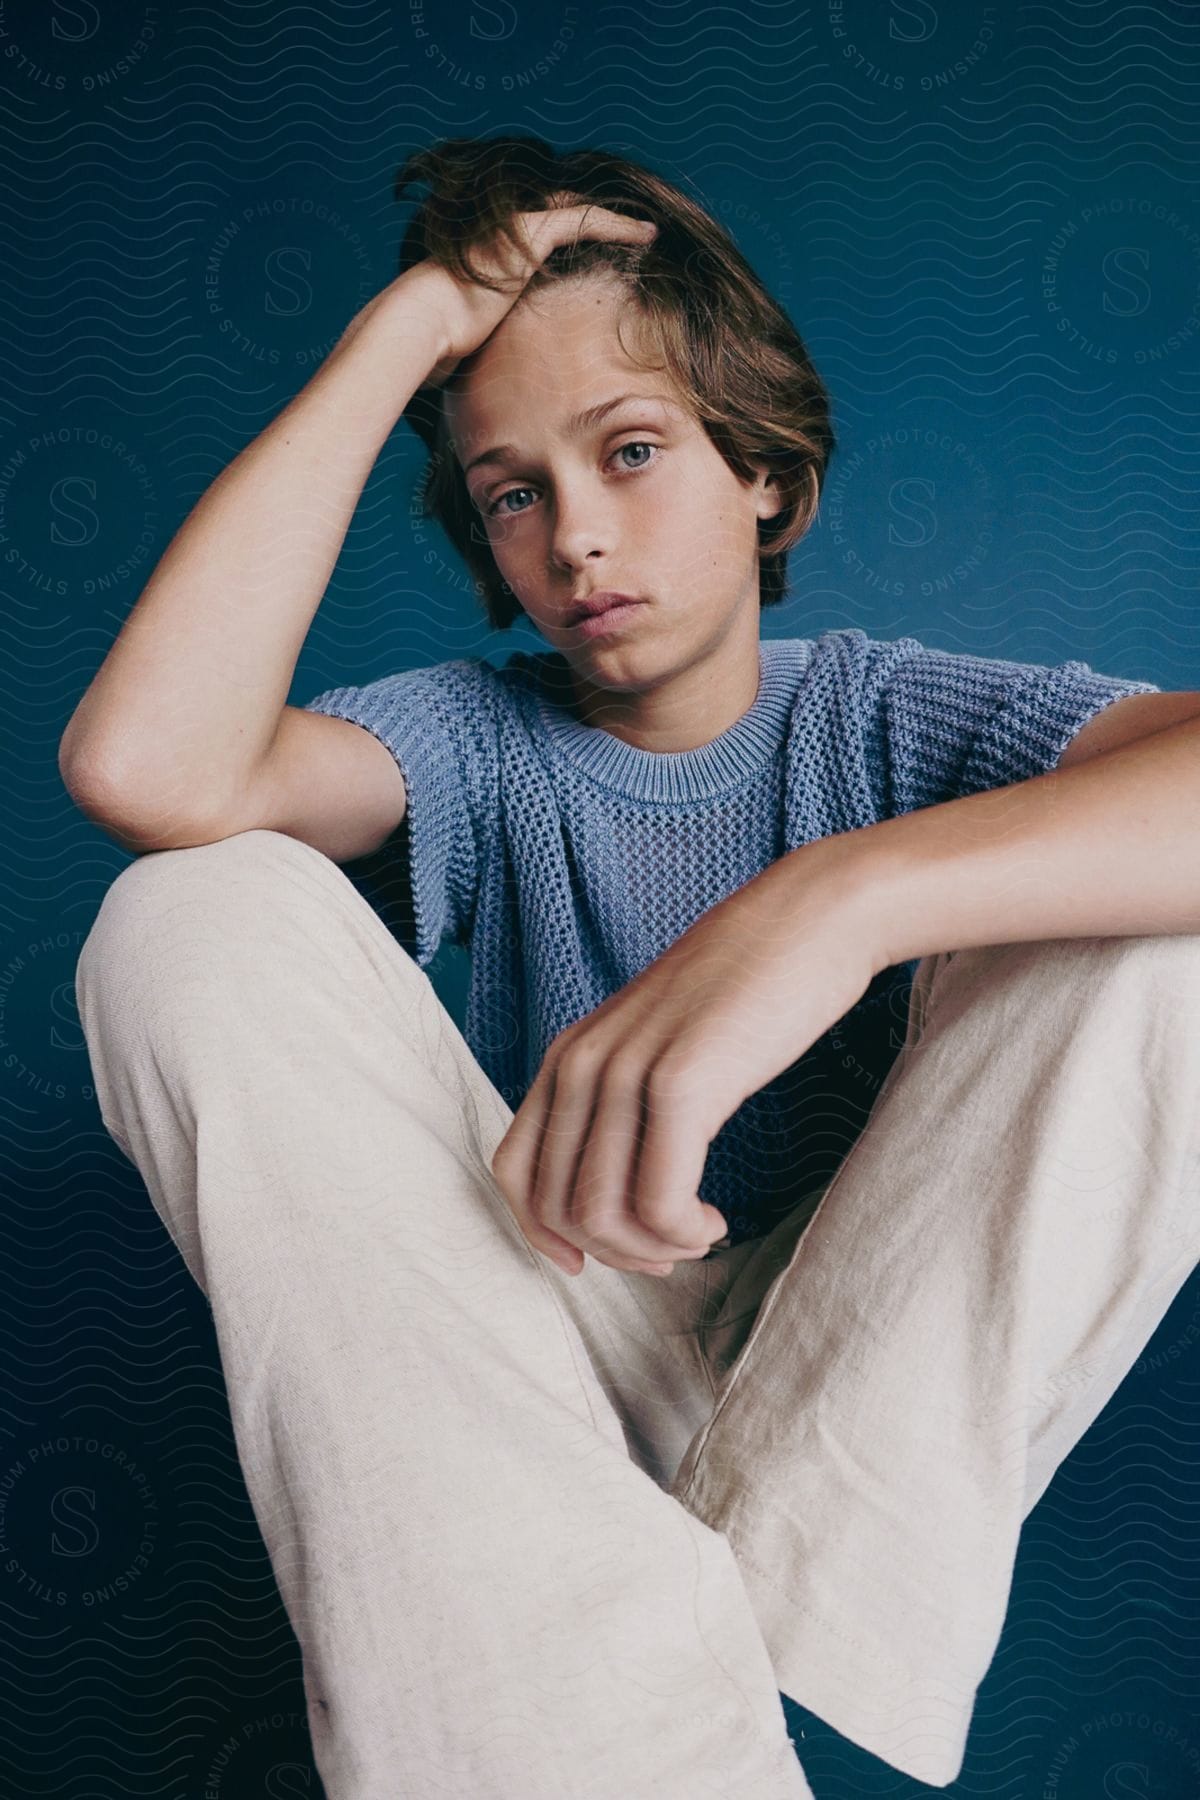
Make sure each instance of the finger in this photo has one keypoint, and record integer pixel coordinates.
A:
(569, 1090)
(575, 1095)
(672, 1153)
(567, 223)
(600, 1215)
(621, 225)
(599, 222)
(514, 1168)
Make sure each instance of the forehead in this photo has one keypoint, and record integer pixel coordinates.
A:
(558, 352)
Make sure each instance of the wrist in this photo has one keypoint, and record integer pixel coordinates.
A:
(405, 326)
(416, 309)
(837, 878)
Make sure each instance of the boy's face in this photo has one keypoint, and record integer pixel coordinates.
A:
(640, 502)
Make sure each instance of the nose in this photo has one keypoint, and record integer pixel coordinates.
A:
(581, 526)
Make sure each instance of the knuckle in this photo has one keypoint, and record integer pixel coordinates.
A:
(665, 1221)
(659, 1220)
(669, 1084)
(623, 1069)
(589, 1225)
(578, 1063)
(670, 1075)
(598, 1232)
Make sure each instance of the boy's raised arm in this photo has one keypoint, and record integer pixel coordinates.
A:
(174, 735)
(185, 706)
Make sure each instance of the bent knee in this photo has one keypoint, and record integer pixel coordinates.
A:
(1156, 967)
(168, 905)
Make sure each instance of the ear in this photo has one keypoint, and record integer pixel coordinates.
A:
(766, 494)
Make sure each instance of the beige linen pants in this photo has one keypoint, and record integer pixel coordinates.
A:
(567, 1538)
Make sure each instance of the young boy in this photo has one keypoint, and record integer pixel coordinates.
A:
(571, 814)
(503, 1506)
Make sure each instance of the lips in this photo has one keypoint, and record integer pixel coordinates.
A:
(598, 603)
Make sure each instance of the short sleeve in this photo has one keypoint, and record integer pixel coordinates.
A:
(937, 725)
(439, 724)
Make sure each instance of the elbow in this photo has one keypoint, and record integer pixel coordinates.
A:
(142, 801)
(85, 778)
(129, 817)
(87, 772)
(98, 799)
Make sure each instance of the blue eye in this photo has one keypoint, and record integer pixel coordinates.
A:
(493, 509)
(507, 495)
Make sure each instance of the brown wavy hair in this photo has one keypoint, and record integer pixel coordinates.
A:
(733, 353)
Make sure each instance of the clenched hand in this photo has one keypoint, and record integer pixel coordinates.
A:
(608, 1147)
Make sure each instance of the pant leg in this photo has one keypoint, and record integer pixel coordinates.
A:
(490, 1595)
(900, 1376)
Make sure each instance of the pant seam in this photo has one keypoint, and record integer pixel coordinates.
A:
(700, 1336)
(764, 1311)
(895, 1670)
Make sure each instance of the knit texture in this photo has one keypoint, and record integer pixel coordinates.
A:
(565, 860)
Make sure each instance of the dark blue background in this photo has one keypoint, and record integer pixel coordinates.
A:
(985, 222)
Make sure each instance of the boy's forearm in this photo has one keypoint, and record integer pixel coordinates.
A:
(1102, 849)
(189, 697)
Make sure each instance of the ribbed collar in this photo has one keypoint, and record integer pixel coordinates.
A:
(677, 775)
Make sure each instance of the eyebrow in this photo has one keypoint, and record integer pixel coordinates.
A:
(579, 422)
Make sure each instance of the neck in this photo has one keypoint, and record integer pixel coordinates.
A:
(680, 711)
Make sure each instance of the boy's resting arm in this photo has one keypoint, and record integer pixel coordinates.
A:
(325, 781)
(184, 735)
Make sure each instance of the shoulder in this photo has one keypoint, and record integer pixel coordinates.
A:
(847, 671)
(501, 685)
(447, 682)
(849, 650)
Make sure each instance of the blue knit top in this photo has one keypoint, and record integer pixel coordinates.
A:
(565, 860)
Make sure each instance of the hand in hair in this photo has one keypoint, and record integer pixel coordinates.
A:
(507, 261)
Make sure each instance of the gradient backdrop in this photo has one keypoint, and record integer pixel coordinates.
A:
(985, 221)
